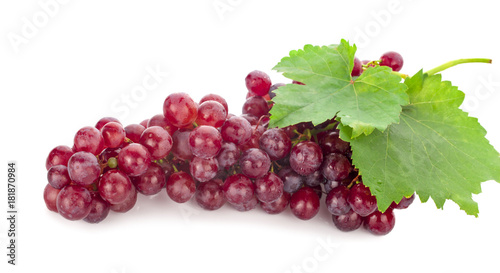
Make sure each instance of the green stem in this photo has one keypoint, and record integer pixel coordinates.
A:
(455, 62)
(404, 76)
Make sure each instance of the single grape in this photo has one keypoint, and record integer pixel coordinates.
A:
(336, 200)
(336, 167)
(180, 187)
(113, 134)
(306, 157)
(278, 205)
(83, 168)
(152, 181)
(126, 205)
(217, 98)
(392, 59)
(161, 120)
(255, 163)
(258, 82)
(158, 142)
(211, 113)
(181, 148)
(104, 121)
(379, 223)
(238, 189)
(58, 156)
(115, 186)
(361, 200)
(50, 197)
(276, 143)
(203, 169)
(73, 202)
(228, 156)
(134, 132)
(205, 141)
(58, 176)
(255, 106)
(357, 68)
(89, 139)
(236, 130)
(292, 181)
(99, 209)
(268, 188)
(209, 195)
(330, 142)
(347, 222)
(134, 159)
(404, 203)
(304, 203)
(180, 109)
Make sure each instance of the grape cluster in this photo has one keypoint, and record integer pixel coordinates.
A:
(200, 151)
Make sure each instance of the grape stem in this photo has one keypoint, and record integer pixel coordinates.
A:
(455, 62)
(403, 76)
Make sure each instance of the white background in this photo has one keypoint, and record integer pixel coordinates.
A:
(81, 60)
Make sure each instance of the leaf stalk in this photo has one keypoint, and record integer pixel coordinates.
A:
(456, 62)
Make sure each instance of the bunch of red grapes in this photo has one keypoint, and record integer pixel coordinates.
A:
(199, 151)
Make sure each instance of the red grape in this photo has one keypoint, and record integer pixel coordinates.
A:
(180, 187)
(306, 157)
(258, 82)
(50, 197)
(236, 130)
(89, 139)
(73, 202)
(113, 134)
(115, 186)
(238, 189)
(180, 109)
(134, 159)
(83, 168)
(205, 141)
(157, 140)
(58, 156)
(209, 195)
(304, 203)
(392, 59)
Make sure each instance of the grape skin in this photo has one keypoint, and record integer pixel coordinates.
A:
(134, 159)
(180, 187)
(255, 163)
(306, 157)
(115, 186)
(304, 203)
(73, 202)
(58, 156)
(83, 168)
(180, 109)
(209, 195)
(205, 141)
(50, 197)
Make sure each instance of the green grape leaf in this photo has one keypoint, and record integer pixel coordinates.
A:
(370, 101)
(436, 150)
